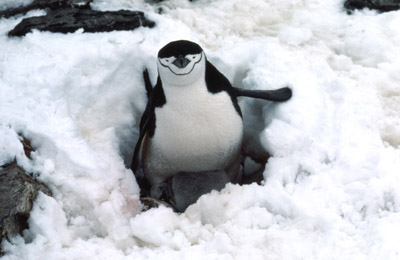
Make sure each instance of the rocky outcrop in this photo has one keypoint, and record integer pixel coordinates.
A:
(71, 19)
(18, 191)
(46, 4)
(66, 16)
(379, 5)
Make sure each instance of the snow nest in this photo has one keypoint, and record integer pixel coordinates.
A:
(331, 188)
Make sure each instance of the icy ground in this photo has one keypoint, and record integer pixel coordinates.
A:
(332, 187)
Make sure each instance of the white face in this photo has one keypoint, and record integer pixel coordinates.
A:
(181, 70)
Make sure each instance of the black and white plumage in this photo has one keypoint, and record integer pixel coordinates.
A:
(192, 122)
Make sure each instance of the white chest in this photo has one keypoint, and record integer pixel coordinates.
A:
(195, 131)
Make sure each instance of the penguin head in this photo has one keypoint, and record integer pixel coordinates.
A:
(181, 63)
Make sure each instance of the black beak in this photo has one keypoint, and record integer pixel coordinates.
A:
(181, 62)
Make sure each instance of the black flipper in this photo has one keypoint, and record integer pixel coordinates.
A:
(278, 95)
(136, 153)
(145, 122)
(139, 175)
(147, 82)
(156, 98)
(143, 127)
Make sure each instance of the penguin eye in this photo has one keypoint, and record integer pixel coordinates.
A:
(167, 60)
(191, 57)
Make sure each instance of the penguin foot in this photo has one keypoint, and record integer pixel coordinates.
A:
(184, 189)
(253, 166)
(149, 203)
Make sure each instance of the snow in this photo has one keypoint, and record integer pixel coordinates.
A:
(6, 4)
(331, 188)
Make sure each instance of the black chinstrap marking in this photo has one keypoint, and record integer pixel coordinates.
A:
(194, 65)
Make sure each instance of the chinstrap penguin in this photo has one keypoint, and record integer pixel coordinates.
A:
(192, 123)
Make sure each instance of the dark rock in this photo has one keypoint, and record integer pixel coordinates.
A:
(67, 16)
(27, 147)
(71, 19)
(17, 193)
(18, 190)
(379, 5)
(46, 4)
